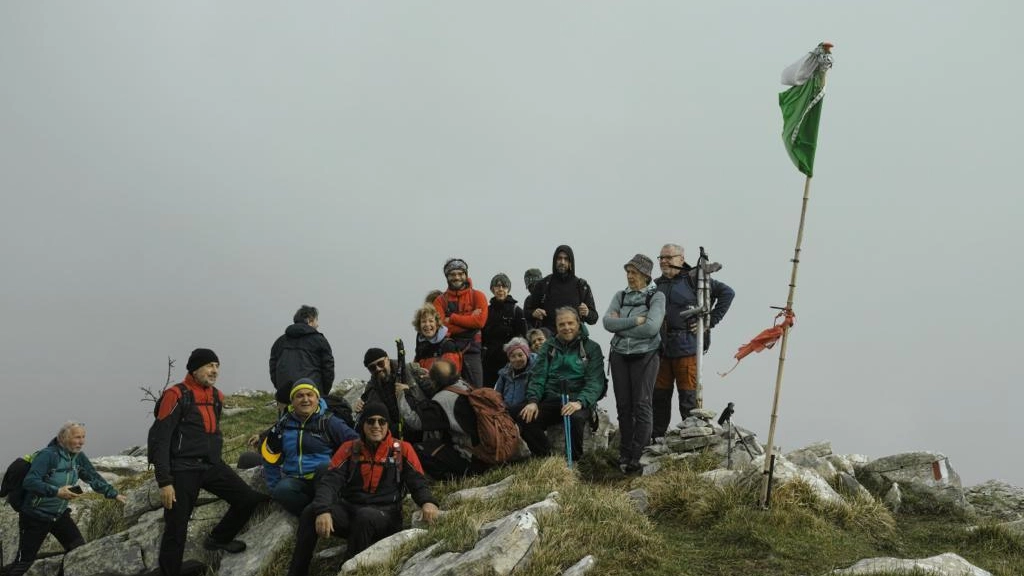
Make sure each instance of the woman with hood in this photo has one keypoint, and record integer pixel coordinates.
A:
(50, 484)
(634, 318)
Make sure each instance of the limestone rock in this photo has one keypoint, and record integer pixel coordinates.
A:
(249, 393)
(703, 413)
(482, 493)
(893, 498)
(947, 564)
(235, 411)
(638, 498)
(501, 551)
(135, 550)
(997, 499)
(380, 551)
(786, 471)
(263, 541)
(424, 563)
(721, 477)
(592, 440)
(417, 518)
(850, 486)
(120, 465)
(926, 474)
(586, 564)
(696, 431)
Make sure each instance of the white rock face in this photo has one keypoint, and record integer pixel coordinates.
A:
(482, 493)
(585, 565)
(380, 551)
(947, 564)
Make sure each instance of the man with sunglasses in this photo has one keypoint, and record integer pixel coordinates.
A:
(360, 496)
(385, 388)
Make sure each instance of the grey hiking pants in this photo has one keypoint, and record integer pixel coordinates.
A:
(633, 378)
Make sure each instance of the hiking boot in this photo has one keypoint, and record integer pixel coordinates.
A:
(632, 468)
(232, 547)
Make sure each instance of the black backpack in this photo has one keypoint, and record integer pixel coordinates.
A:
(186, 401)
(11, 486)
(340, 407)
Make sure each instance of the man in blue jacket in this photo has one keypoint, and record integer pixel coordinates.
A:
(50, 484)
(678, 359)
(299, 444)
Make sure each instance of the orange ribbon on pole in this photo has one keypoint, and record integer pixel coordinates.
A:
(765, 340)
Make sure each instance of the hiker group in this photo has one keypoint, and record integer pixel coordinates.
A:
(483, 376)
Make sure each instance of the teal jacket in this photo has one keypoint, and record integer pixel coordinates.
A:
(579, 363)
(52, 468)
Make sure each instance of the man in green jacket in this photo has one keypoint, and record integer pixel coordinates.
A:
(50, 484)
(570, 362)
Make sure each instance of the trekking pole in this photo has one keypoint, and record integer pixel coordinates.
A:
(567, 424)
(400, 379)
(702, 321)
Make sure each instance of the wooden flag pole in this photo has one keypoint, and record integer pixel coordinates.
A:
(782, 347)
(766, 472)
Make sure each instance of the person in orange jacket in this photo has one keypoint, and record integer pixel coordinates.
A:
(463, 311)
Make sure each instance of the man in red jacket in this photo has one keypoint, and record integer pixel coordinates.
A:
(464, 311)
(360, 496)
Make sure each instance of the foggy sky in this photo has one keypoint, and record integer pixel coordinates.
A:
(188, 174)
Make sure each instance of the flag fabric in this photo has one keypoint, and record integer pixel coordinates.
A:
(801, 106)
(765, 340)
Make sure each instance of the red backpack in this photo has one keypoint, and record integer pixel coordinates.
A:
(499, 435)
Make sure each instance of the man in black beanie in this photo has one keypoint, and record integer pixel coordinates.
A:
(185, 446)
(384, 387)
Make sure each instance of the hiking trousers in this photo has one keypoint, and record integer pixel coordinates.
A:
(33, 531)
(221, 481)
(360, 526)
(682, 372)
(633, 378)
(549, 414)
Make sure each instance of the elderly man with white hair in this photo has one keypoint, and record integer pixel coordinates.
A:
(50, 484)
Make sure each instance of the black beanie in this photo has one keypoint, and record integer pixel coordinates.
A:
(373, 409)
(372, 355)
(200, 357)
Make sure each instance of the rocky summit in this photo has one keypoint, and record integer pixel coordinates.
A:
(902, 482)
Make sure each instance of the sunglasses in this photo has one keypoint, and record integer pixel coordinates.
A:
(378, 365)
(376, 421)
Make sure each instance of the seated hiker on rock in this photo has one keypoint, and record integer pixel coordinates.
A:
(570, 363)
(299, 445)
(432, 341)
(449, 427)
(360, 496)
(514, 377)
(384, 387)
(49, 485)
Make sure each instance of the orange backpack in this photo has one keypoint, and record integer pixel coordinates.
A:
(499, 435)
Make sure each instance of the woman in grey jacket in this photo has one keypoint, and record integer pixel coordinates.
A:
(634, 317)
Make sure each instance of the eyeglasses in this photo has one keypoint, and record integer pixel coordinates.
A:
(378, 365)
(668, 257)
(376, 421)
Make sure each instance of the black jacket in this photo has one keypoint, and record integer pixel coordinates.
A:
(378, 479)
(557, 290)
(505, 320)
(301, 352)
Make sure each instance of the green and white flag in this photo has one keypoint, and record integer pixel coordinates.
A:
(801, 106)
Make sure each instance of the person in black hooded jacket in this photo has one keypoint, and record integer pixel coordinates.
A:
(560, 288)
(301, 352)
